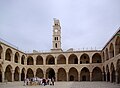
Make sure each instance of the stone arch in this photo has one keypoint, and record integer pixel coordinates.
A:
(39, 73)
(30, 61)
(61, 75)
(50, 60)
(112, 68)
(8, 54)
(50, 73)
(96, 74)
(84, 59)
(30, 73)
(96, 58)
(16, 74)
(117, 45)
(85, 74)
(73, 74)
(72, 59)
(23, 59)
(8, 73)
(111, 50)
(39, 60)
(0, 73)
(104, 75)
(61, 59)
(1, 50)
(16, 57)
(107, 73)
(106, 53)
(23, 74)
(118, 70)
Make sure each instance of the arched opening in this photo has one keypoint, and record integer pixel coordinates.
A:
(117, 46)
(112, 72)
(0, 73)
(96, 74)
(118, 71)
(1, 50)
(96, 58)
(84, 59)
(103, 56)
(16, 58)
(111, 50)
(23, 74)
(8, 73)
(72, 59)
(61, 59)
(104, 75)
(73, 74)
(50, 73)
(50, 60)
(39, 73)
(85, 74)
(30, 61)
(108, 73)
(23, 59)
(30, 73)
(61, 74)
(16, 74)
(8, 54)
(39, 60)
(107, 56)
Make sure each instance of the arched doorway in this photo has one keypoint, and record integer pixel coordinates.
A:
(0, 73)
(61, 59)
(22, 59)
(108, 73)
(72, 59)
(106, 54)
(85, 74)
(111, 50)
(23, 74)
(118, 71)
(96, 74)
(39, 73)
(1, 50)
(73, 74)
(16, 74)
(30, 61)
(39, 60)
(96, 58)
(112, 72)
(8, 73)
(50, 60)
(117, 46)
(30, 73)
(50, 73)
(8, 54)
(16, 57)
(84, 59)
(61, 75)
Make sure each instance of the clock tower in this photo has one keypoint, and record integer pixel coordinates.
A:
(56, 36)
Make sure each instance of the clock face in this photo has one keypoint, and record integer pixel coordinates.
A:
(56, 30)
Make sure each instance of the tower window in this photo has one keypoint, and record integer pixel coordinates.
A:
(55, 38)
(56, 45)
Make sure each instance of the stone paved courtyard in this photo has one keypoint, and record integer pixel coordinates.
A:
(64, 85)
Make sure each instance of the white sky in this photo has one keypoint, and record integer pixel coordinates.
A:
(27, 24)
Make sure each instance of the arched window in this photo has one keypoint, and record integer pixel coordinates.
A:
(30, 61)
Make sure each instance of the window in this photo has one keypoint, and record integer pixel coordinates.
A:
(56, 45)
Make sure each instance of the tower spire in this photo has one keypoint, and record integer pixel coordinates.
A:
(56, 36)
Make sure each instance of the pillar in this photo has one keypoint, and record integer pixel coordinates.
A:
(111, 77)
(55, 60)
(90, 76)
(103, 76)
(116, 78)
(25, 75)
(67, 76)
(3, 76)
(56, 76)
(106, 77)
(79, 76)
(13, 75)
(19, 76)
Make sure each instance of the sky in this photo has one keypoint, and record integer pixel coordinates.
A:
(85, 24)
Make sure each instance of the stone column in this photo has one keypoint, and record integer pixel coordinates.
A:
(67, 76)
(103, 76)
(3, 76)
(19, 76)
(79, 76)
(25, 75)
(90, 76)
(13, 75)
(55, 60)
(111, 77)
(56, 76)
(116, 77)
(106, 77)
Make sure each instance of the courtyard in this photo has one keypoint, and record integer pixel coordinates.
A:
(63, 85)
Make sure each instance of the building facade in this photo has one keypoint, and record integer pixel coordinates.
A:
(87, 65)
